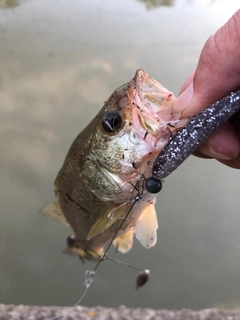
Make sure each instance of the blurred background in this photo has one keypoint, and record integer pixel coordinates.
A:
(59, 60)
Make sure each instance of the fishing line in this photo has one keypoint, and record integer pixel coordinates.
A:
(125, 264)
(104, 255)
(89, 274)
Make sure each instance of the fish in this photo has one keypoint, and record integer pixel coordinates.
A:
(105, 170)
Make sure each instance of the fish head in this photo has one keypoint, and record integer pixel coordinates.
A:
(135, 123)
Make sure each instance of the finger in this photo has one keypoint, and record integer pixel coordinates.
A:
(223, 144)
(188, 82)
(185, 95)
(218, 70)
(234, 163)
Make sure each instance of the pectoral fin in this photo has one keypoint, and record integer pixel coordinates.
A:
(146, 227)
(106, 221)
(124, 242)
(54, 211)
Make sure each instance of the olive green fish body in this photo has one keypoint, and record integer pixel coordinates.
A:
(105, 168)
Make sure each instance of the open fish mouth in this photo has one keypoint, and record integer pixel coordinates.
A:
(155, 97)
(152, 104)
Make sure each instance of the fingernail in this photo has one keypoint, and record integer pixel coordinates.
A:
(184, 98)
(207, 150)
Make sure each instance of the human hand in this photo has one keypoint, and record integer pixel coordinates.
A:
(216, 75)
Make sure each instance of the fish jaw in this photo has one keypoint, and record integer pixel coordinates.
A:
(155, 97)
(154, 119)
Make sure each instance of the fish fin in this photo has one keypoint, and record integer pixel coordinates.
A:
(146, 227)
(124, 242)
(105, 221)
(54, 211)
(84, 254)
(56, 185)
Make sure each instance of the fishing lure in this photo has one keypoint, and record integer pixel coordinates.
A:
(189, 138)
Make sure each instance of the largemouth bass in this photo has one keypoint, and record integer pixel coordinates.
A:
(106, 166)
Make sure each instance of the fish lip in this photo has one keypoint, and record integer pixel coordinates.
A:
(140, 76)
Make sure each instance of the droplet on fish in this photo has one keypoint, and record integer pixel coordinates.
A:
(142, 278)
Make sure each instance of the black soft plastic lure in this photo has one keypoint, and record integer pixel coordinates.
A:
(188, 139)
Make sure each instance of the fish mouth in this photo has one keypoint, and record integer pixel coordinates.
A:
(152, 105)
(154, 96)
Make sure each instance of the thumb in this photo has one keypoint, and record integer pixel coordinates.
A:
(218, 69)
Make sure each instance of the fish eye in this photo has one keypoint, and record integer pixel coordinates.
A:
(111, 121)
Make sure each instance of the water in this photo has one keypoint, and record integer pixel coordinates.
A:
(59, 60)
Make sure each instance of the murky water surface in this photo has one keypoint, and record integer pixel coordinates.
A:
(59, 60)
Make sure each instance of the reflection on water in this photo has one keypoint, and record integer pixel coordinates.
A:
(150, 4)
(57, 66)
(5, 4)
